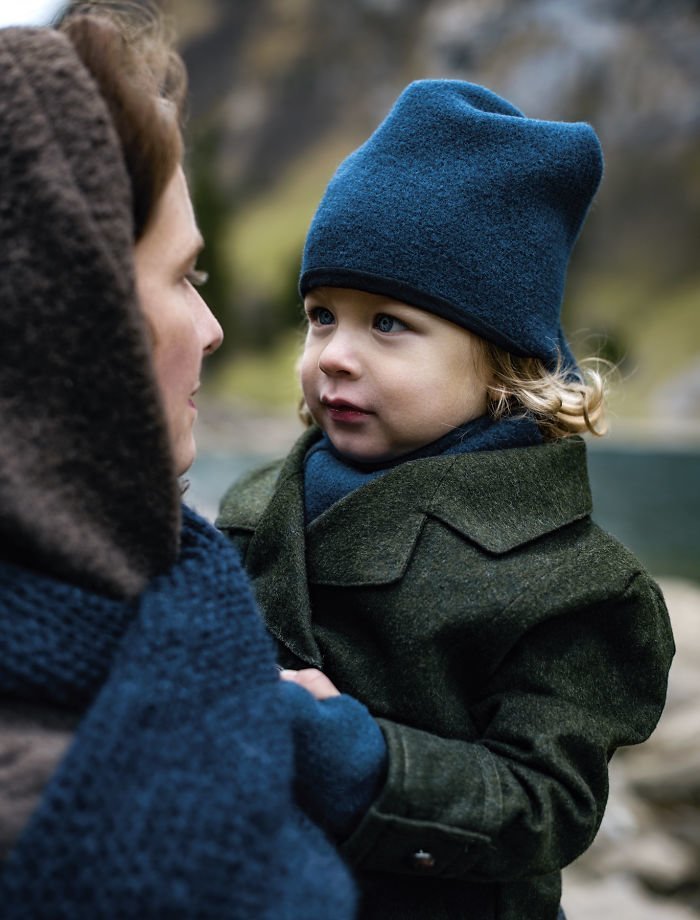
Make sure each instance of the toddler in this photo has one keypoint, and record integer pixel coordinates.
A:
(428, 543)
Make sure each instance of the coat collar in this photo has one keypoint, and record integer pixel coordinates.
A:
(498, 500)
(504, 498)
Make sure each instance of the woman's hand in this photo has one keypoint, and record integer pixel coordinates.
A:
(313, 680)
(341, 755)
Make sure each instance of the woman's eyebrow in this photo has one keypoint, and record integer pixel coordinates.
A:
(190, 254)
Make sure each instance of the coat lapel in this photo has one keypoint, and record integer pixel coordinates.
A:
(505, 498)
(369, 536)
(496, 499)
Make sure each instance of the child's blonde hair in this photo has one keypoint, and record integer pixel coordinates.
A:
(560, 402)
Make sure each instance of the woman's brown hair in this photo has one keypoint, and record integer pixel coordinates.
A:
(143, 82)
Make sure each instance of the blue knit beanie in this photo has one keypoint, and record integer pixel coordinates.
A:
(460, 205)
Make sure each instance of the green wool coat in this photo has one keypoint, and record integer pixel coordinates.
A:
(505, 643)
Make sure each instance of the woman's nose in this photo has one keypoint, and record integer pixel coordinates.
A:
(212, 335)
(339, 356)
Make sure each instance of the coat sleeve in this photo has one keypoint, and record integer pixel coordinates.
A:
(526, 796)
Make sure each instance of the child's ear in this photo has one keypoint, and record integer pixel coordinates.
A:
(304, 414)
(302, 409)
(483, 363)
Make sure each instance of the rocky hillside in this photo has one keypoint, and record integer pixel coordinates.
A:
(283, 89)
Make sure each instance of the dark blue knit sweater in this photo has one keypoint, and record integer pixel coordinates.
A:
(175, 798)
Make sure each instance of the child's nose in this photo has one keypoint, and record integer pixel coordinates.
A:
(339, 356)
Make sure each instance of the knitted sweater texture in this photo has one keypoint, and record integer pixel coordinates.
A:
(180, 686)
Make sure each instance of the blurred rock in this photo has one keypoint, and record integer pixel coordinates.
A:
(617, 898)
(653, 857)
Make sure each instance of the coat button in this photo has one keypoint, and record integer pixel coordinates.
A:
(423, 861)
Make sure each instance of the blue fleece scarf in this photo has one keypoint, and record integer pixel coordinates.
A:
(174, 799)
(328, 477)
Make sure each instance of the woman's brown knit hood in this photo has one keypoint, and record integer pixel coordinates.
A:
(87, 486)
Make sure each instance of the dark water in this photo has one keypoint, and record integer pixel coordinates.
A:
(649, 498)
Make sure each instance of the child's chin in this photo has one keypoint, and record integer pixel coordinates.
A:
(356, 454)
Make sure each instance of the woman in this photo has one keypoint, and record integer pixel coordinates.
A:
(146, 758)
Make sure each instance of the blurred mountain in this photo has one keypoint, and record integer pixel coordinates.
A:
(282, 90)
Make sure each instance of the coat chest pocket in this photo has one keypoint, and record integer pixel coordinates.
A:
(350, 553)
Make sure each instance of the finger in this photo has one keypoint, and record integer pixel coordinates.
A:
(316, 682)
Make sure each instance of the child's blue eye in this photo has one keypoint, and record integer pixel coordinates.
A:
(322, 316)
(385, 323)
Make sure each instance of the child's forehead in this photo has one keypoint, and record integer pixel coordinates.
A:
(350, 297)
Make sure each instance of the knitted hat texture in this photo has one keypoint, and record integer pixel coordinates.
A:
(87, 485)
(462, 206)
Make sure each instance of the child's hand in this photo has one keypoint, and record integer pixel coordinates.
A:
(313, 680)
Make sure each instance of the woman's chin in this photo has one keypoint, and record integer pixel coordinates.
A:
(184, 456)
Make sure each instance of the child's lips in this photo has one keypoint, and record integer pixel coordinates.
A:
(340, 410)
